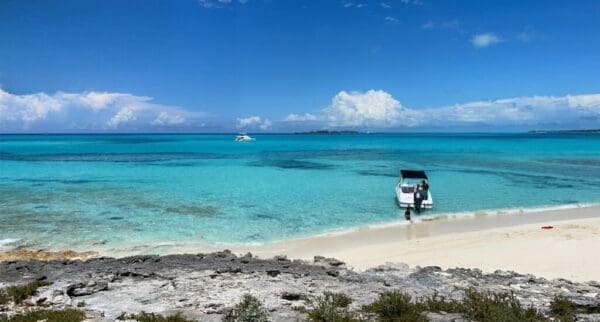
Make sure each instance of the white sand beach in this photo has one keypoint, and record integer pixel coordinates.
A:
(489, 242)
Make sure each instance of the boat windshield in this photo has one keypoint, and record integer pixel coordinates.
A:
(408, 189)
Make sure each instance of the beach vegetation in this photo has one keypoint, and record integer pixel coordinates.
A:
(562, 309)
(439, 303)
(565, 310)
(475, 306)
(249, 309)
(18, 293)
(153, 317)
(395, 306)
(493, 307)
(330, 307)
(66, 315)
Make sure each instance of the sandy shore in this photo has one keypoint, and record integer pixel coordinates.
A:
(489, 242)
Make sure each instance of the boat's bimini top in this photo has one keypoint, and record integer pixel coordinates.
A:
(413, 174)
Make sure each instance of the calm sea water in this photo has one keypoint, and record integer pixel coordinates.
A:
(87, 191)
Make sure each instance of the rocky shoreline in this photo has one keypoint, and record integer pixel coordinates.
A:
(203, 286)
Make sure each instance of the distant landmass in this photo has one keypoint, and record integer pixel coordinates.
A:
(328, 132)
(586, 131)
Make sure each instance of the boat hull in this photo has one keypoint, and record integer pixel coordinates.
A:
(407, 199)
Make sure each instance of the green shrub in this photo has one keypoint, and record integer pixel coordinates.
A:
(18, 293)
(437, 303)
(67, 315)
(564, 310)
(491, 307)
(152, 317)
(330, 307)
(394, 306)
(249, 309)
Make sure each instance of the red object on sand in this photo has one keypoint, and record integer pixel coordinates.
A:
(547, 227)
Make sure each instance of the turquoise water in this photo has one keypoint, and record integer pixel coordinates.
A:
(86, 191)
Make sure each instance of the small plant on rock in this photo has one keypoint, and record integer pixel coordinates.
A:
(563, 309)
(438, 303)
(66, 315)
(330, 307)
(395, 306)
(490, 307)
(249, 309)
(153, 317)
(18, 293)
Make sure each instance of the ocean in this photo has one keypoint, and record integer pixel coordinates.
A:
(87, 192)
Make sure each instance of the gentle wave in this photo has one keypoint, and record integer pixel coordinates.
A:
(416, 219)
(7, 241)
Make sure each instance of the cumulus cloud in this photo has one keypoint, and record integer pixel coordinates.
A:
(484, 40)
(88, 110)
(569, 110)
(124, 115)
(371, 108)
(265, 124)
(164, 118)
(253, 122)
(306, 117)
(378, 109)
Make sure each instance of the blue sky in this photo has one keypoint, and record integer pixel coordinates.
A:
(257, 65)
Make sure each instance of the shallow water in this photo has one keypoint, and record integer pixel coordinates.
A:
(112, 191)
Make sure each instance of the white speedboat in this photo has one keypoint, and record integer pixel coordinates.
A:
(243, 137)
(406, 187)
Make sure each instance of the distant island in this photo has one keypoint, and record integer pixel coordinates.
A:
(328, 132)
(585, 131)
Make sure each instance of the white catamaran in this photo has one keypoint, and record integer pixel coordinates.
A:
(243, 137)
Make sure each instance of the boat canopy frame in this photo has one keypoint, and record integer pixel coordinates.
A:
(413, 174)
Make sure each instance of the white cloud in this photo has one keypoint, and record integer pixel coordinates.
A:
(392, 20)
(210, 4)
(248, 121)
(300, 118)
(372, 108)
(376, 108)
(265, 124)
(351, 4)
(124, 115)
(253, 122)
(164, 118)
(385, 5)
(484, 40)
(528, 110)
(88, 110)
(412, 2)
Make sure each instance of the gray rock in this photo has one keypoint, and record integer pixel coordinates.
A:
(203, 285)
(291, 296)
(445, 317)
(81, 289)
